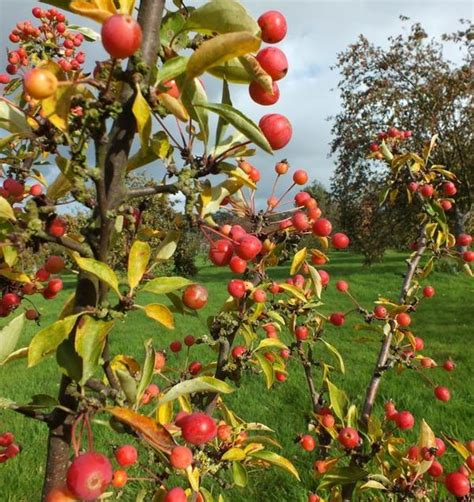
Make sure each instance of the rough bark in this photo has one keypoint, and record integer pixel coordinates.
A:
(113, 158)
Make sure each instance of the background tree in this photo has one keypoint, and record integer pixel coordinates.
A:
(408, 84)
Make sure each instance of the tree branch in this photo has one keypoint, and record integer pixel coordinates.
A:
(67, 243)
(374, 384)
(151, 190)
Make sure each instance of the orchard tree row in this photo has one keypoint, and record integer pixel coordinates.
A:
(147, 104)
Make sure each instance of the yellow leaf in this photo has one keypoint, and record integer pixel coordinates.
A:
(101, 270)
(426, 437)
(137, 262)
(141, 111)
(298, 260)
(152, 432)
(164, 413)
(14, 276)
(98, 10)
(174, 106)
(212, 196)
(57, 106)
(220, 49)
(6, 211)
(160, 313)
(126, 6)
(236, 454)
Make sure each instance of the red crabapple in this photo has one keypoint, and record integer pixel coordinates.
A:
(195, 296)
(404, 420)
(307, 442)
(322, 227)
(449, 189)
(428, 291)
(276, 129)
(248, 247)
(273, 61)
(89, 475)
(120, 479)
(457, 484)
(348, 437)
(198, 428)
(175, 346)
(181, 457)
(403, 319)
(464, 240)
(273, 26)
(301, 332)
(121, 36)
(263, 97)
(342, 286)
(236, 288)
(337, 318)
(340, 240)
(176, 494)
(221, 252)
(237, 265)
(300, 177)
(40, 83)
(126, 455)
(442, 393)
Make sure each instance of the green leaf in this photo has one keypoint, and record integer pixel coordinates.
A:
(164, 285)
(351, 419)
(172, 29)
(9, 336)
(100, 270)
(160, 313)
(147, 370)
(336, 353)
(168, 245)
(89, 342)
(221, 16)
(42, 401)
(278, 460)
(6, 211)
(239, 474)
(89, 34)
(12, 118)
(233, 71)
(338, 400)
(293, 290)
(48, 339)
(137, 262)
(298, 260)
(342, 476)
(316, 280)
(69, 360)
(199, 384)
(222, 122)
(212, 196)
(372, 485)
(142, 112)
(267, 368)
(192, 94)
(128, 385)
(271, 342)
(242, 123)
(172, 68)
(234, 454)
(220, 49)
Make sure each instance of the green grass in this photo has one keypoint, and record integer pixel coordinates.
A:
(444, 322)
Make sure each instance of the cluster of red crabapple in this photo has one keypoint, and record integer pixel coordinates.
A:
(13, 292)
(9, 449)
(52, 35)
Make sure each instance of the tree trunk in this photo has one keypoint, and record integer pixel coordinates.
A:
(111, 192)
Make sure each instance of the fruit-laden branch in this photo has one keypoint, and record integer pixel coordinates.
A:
(308, 373)
(381, 364)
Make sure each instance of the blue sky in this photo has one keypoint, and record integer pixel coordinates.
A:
(318, 30)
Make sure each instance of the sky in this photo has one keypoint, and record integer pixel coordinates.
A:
(318, 30)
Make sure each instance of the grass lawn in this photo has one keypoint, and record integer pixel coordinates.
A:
(444, 322)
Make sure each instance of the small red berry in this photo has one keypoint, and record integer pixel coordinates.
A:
(308, 442)
(126, 455)
(342, 286)
(337, 319)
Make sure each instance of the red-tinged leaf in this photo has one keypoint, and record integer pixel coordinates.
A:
(152, 432)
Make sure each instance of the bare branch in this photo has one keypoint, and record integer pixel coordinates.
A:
(151, 190)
